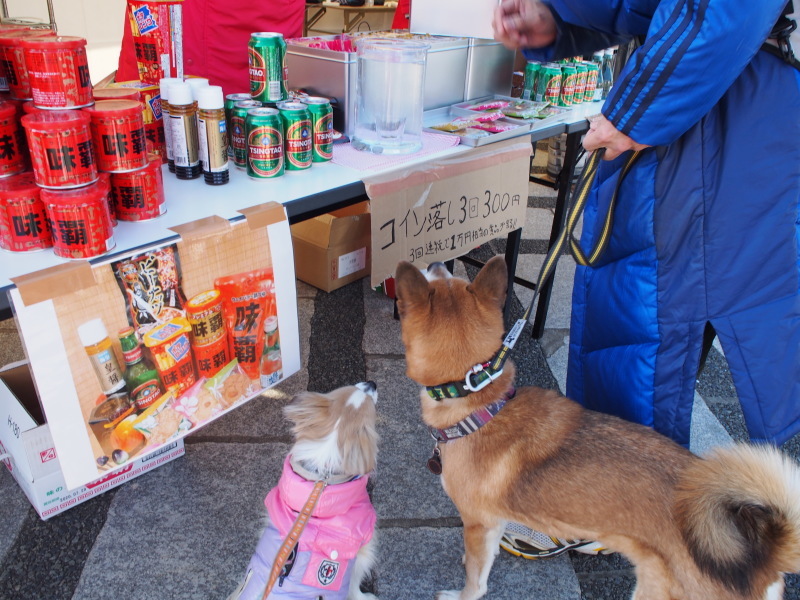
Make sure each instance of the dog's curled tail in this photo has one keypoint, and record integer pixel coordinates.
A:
(739, 512)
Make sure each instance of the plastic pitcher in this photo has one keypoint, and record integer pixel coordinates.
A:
(389, 95)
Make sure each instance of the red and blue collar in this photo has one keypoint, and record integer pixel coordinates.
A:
(474, 421)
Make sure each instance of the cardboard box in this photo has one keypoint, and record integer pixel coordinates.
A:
(91, 428)
(333, 250)
(27, 450)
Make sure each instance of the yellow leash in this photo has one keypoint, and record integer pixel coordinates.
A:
(573, 215)
(293, 537)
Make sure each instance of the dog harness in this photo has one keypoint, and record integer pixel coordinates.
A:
(343, 522)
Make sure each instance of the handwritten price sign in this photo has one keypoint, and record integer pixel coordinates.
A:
(444, 209)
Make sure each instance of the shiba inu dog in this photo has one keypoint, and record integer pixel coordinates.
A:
(723, 527)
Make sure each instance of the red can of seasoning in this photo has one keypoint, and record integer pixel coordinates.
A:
(58, 71)
(23, 220)
(12, 157)
(80, 220)
(12, 55)
(139, 195)
(61, 149)
(118, 135)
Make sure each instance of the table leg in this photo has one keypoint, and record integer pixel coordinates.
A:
(559, 222)
(512, 254)
(313, 18)
(352, 19)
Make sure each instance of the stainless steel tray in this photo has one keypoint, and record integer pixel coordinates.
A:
(448, 113)
(558, 112)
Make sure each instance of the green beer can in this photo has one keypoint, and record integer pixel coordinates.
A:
(321, 128)
(266, 58)
(580, 83)
(529, 83)
(568, 76)
(592, 72)
(230, 100)
(264, 129)
(548, 84)
(297, 128)
(238, 132)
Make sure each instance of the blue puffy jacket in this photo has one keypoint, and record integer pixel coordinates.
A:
(706, 228)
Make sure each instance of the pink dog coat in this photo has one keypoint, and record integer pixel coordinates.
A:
(342, 522)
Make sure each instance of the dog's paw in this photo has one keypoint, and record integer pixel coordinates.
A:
(448, 595)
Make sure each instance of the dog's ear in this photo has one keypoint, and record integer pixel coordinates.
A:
(411, 286)
(491, 282)
(306, 407)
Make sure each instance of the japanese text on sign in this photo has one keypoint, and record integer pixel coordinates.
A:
(419, 223)
(444, 209)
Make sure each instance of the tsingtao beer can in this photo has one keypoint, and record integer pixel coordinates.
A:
(267, 62)
(297, 128)
(321, 128)
(230, 101)
(548, 84)
(264, 128)
(238, 133)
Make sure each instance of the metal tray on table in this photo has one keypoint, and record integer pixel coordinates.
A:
(470, 137)
(547, 115)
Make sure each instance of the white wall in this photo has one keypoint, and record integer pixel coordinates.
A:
(100, 22)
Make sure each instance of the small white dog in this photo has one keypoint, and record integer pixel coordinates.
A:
(336, 442)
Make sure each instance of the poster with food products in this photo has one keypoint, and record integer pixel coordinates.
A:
(133, 353)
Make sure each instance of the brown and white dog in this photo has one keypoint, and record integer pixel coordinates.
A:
(336, 442)
(721, 528)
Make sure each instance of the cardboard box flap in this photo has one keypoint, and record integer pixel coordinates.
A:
(16, 420)
(346, 230)
(202, 228)
(315, 231)
(52, 282)
(264, 214)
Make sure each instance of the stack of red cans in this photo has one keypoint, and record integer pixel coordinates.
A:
(137, 189)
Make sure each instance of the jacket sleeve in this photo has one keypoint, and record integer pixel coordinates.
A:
(694, 51)
(573, 40)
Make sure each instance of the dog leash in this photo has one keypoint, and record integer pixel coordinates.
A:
(293, 537)
(481, 375)
(567, 234)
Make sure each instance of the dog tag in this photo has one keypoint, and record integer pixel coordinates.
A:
(435, 461)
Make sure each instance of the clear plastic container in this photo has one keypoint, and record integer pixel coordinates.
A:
(389, 95)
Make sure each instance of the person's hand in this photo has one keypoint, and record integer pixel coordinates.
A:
(524, 24)
(602, 134)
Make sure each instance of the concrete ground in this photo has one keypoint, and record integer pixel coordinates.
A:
(187, 529)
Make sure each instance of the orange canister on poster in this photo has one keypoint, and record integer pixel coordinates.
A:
(209, 334)
(13, 57)
(24, 226)
(58, 71)
(61, 148)
(139, 195)
(12, 157)
(118, 135)
(171, 349)
(80, 220)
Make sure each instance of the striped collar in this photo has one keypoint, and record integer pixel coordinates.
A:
(473, 422)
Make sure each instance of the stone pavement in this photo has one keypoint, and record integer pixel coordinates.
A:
(187, 529)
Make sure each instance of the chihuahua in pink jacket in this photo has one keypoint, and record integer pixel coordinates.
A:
(336, 442)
